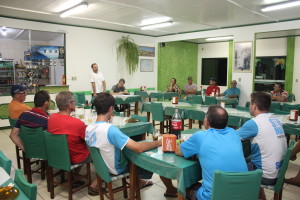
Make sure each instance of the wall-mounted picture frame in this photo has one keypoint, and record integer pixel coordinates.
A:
(147, 51)
(243, 57)
(146, 65)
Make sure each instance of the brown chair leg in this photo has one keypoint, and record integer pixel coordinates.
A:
(125, 193)
(51, 184)
(43, 169)
(28, 169)
(23, 155)
(18, 157)
(161, 127)
(88, 171)
(70, 180)
(100, 188)
(110, 191)
(47, 176)
(200, 124)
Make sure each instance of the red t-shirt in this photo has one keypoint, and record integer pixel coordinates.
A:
(75, 130)
(214, 89)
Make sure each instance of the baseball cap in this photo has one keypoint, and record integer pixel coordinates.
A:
(212, 79)
(16, 88)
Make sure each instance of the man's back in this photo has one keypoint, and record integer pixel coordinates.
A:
(217, 149)
(34, 118)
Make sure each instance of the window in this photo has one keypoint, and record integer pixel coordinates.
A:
(214, 68)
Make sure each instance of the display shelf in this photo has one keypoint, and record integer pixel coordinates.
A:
(6, 76)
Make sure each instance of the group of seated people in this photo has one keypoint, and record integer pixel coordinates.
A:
(278, 93)
(218, 148)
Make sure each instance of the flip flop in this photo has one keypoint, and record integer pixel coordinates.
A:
(147, 184)
(170, 195)
(93, 191)
(292, 182)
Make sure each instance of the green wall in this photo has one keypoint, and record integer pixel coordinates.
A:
(289, 71)
(176, 60)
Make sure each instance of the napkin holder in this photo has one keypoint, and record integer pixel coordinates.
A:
(168, 143)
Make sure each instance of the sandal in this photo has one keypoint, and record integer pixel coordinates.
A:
(146, 184)
(170, 195)
(93, 191)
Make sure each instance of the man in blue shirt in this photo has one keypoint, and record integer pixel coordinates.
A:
(232, 92)
(218, 148)
(268, 142)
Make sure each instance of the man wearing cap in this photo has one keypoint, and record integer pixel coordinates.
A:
(190, 88)
(16, 106)
(212, 89)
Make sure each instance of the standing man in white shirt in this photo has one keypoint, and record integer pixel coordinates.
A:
(97, 80)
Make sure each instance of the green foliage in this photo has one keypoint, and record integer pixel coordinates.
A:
(128, 50)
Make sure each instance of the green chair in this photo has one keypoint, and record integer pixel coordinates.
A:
(280, 112)
(210, 100)
(34, 145)
(103, 174)
(52, 104)
(195, 115)
(291, 98)
(30, 190)
(157, 112)
(5, 163)
(59, 157)
(80, 98)
(141, 118)
(244, 120)
(197, 99)
(236, 185)
(247, 104)
(30, 104)
(4, 111)
(19, 151)
(291, 129)
(274, 106)
(280, 181)
(241, 108)
(234, 121)
(289, 107)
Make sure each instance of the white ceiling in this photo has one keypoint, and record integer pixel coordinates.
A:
(127, 15)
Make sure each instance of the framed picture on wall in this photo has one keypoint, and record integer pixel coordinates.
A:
(243, 57)
(146, 65)
(147, 51)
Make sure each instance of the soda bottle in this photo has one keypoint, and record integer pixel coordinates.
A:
(176, 124)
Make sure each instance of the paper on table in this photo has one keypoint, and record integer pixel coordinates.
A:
(3, 176)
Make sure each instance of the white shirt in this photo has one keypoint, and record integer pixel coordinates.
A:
(97, 78)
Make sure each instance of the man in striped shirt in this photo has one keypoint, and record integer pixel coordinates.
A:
(279, 94)
(35, 118)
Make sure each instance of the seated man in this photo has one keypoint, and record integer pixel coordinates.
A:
(173, 87)
(190, 88)
(268, 141)
(218, 148)
(111, 141)
(212, 89)
(119, 89)
(232, 92)
(63, 123)
(279, 94)
(16, 106)
(35, 118)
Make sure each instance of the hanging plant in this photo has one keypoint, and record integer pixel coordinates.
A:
(279, 62)
(128, 50)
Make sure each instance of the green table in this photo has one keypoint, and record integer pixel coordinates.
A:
(127, 99)
(228, 101)
(4, 176)
(138, 128)
(186, 172)
(164, 95)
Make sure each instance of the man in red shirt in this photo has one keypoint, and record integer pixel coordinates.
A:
(63, 123)
(212, 89)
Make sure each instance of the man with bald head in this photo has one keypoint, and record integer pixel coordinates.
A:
(218, 148)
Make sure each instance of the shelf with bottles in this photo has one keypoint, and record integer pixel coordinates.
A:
(6, 76)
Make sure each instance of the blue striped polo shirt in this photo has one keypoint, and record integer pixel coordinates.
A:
(34, 118)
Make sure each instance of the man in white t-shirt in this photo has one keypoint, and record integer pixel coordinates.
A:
(97, 80)
(268, 142)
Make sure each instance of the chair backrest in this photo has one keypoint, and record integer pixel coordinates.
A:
(52, 104)
(197, 99)
(100, 166)
(4, 111)
(279, 183)
(5, 163)
(210, 100)
(289, 107)
(57, 150)
(274, 106)
(195, 115)
(12, 122)
(119, 101)
(247, 105)
(30, 190)
(141, 118)
(33, 141)
(80, 97)
(157, 112)
(280, 112)
(241, 108)
(234, 121)
(291, 98)
(236, 185)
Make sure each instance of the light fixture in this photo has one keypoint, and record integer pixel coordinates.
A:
(159, 25)
(74, 9)
(3, 31)
(156, 20)
(219, 38)
(280, 6)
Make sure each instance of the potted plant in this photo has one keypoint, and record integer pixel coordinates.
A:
(129, 51)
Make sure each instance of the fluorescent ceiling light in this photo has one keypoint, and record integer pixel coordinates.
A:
(159, 25)
(155, 20)
(4, 31)
(219, 38)
(280, 6)
(74, 9)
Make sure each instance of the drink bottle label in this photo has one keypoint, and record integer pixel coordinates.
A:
(176, 125)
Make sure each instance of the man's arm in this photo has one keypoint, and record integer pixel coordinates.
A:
(178, 151)
(94, 89)
(104, 85)
(232, 96)
(279, 98)
(140, 147)
(14, 136)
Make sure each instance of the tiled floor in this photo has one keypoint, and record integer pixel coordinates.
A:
(155, 192)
